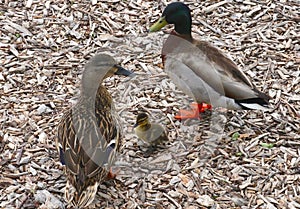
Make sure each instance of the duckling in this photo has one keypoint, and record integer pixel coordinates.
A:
(202, 71)
(89, 133)
(151, 133)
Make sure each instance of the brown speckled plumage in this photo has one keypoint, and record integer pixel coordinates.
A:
(89, 134)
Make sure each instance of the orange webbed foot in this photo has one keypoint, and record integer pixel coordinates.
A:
(187, 114)
(202, 107)
(194, 112)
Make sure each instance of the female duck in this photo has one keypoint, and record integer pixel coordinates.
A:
(89, 133)
(201, 70)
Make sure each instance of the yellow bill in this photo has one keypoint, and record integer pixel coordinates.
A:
(158, 25)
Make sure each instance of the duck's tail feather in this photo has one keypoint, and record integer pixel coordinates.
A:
(83, 199)
(254, 104)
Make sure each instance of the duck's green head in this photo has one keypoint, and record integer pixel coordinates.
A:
(141, 120)
(176, 13)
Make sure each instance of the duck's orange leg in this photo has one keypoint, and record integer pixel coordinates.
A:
(111, 174)
(202, 107)
(194, 112)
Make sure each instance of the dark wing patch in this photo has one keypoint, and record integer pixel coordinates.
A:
(62, 156)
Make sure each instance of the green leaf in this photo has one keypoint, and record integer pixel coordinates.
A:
(239, 154)
(267, 145)
(235, 136)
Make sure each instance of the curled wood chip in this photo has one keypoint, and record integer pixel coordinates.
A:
(205, 200)
(48, 199)
(19, 28)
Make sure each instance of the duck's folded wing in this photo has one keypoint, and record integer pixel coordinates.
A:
(84, 147)
(195, 86)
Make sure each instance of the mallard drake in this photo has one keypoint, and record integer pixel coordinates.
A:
(151, 133)
(89, 134)
(201, 70)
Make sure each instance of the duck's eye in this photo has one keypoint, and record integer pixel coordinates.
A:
(160, 21)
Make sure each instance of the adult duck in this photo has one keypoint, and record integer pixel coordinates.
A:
(203, 71)
(89, 133)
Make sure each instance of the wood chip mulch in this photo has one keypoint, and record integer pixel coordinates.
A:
(234, 159)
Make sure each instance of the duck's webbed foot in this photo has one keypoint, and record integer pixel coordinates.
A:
(195, 111)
